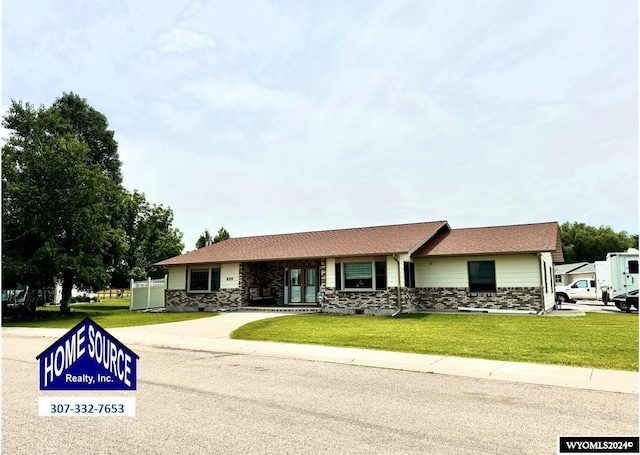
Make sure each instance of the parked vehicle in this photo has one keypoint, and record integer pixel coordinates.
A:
(578, 289)
(21, 299)
(603, 280)
(617, 278)
(25, 299)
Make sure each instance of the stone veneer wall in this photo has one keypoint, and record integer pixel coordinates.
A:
(416, 299)
(525, 298)
(363, 300)
(512, 298)
(263, 274)
(271, 274)
(180, 300)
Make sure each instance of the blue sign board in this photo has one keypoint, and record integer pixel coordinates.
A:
(87, 357)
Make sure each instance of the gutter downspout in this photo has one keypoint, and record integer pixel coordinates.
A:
(399, 301)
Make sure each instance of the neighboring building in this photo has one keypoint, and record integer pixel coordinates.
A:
(375, 270)
(568, 273)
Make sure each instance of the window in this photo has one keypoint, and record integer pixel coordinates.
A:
(482, 276)
(381, 275)
(199, 280)
(204, 280)
(361, 275)
(546, 284)
(358, 275)
(409, 275)
(559, 279)
(215, 279)
(633, 266)
(582, 284)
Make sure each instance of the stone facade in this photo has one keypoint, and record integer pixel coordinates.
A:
(180, 300)
(368, 302)
(512, 298)
(263, 275)
(260, 274)
(271, 274)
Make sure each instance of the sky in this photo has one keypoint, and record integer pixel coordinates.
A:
(267, 117)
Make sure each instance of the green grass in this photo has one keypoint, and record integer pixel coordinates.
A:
(109, 314)
(607, 341)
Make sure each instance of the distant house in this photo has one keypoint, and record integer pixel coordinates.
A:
(567, 273)
(376, 270)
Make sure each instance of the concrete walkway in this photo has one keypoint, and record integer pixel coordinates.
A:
(212, 334)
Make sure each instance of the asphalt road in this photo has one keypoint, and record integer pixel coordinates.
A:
(191, 402)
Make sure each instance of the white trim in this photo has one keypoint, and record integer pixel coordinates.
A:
(373, 275)
(203, 291)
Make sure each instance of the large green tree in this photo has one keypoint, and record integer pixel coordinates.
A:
(222, 234)
(205, 238)
(61, 184)
(150, 238)
(584, 243)
(65, 214)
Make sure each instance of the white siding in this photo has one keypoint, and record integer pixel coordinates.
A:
(330, 273)
(522, 270)
(230, 275)
(449, 272)
(392, 272)
(177, 277)
(549, 294)
(392, 269)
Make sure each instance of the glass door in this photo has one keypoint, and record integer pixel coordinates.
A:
(295, 286)
(311, 286)
(303, 285)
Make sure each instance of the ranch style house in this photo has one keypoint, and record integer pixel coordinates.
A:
(373, 270)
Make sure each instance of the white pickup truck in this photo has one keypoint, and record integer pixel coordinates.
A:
(580, 289)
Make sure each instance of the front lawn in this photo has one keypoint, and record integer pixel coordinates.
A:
(108, 314)
(607, 341)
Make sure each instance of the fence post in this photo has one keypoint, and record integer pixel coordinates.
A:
(130, 296)
(148, 292)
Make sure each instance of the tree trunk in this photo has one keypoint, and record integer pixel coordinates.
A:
(67, 285)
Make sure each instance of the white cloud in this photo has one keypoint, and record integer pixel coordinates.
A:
(179, 40)
(218, 94)
(317, 115)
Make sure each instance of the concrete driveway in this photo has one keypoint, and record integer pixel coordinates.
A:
(219, 326)
(592, 306)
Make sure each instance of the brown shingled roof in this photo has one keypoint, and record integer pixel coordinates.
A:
(523, 238)
(369, 241)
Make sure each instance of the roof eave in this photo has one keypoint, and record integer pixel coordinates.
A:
(484, 253)
(166, 263)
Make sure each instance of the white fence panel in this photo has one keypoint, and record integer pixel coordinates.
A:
(147, 294)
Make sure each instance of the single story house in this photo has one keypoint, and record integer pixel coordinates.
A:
(567, 273)
(376, 270)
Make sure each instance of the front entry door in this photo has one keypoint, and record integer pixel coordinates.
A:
(303, 285)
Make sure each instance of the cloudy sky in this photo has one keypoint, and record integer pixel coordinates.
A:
(283, 116)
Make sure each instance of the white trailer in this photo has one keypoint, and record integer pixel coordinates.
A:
(619, 278)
